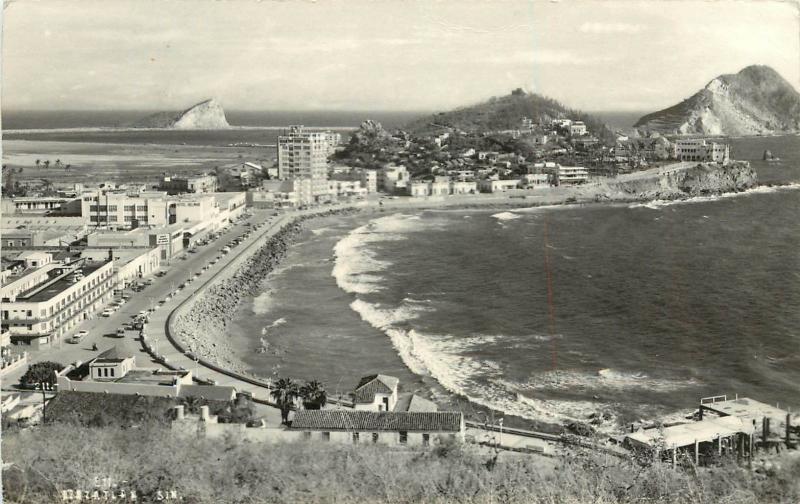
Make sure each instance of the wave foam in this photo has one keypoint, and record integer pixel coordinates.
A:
(658, 203)
(504, 216)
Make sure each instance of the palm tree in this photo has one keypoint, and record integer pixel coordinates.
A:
(284, 393)
(67, 167)
(314, 395)
(58, 163)
(46, 164)
(192, 404)
(38, 163)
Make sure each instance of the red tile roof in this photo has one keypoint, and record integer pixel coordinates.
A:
(377, 421)
(373, 384)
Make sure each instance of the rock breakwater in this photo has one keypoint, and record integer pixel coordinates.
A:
(201, 323)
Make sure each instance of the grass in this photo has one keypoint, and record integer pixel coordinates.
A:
(150, 458)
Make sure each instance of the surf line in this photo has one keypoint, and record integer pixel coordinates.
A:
(551, 311)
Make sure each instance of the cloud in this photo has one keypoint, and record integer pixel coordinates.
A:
(604, 28)
(545, 57)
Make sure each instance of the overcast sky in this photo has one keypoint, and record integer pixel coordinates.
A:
(380, 55)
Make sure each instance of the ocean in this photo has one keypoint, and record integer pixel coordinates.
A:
(550, 314)
(545, 314)
(92, 126)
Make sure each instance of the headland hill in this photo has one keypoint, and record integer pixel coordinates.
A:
(519, 150)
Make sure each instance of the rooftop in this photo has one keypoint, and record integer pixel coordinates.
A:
(413, 402)
(377, 421)
(686, 434)
(59, 286)
(208, 392)
(374, 384)
(744, 408)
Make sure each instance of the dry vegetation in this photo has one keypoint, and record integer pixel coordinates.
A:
(150, 458)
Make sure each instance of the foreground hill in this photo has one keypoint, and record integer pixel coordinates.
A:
(757, 100)
(506, 112)
(204, 115)
(43, 461)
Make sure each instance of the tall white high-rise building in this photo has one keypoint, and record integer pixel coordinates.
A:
(304, 155)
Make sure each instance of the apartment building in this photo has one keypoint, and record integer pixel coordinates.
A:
(304, 155)
(572, 175)
(45, 299)
(123, 209)
(393, 179)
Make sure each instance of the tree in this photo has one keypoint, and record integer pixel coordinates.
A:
(46, 164)
(44, 375)
(67, 167)
(314, 395)
(58, 163)
(192, 404)
(38, 163)
(41, 373)
(284, 393)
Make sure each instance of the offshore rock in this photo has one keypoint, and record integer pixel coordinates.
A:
(207, 114)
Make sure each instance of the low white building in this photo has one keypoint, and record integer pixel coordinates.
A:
(376, 393)
(493, 186)
(535, 180)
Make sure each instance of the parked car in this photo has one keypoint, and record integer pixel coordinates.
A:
(107, 312)
(120, 333)
(161, 273)
(78, 336)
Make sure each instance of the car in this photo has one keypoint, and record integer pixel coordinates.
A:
(149, 281)
(225, 250)
(161, 273)
(120, 333)
(78, 336)
(107, 312)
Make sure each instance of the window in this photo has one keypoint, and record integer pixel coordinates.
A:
(326, 436)
(112, 372)
(403, 437)
(29, 313)
(112, 208)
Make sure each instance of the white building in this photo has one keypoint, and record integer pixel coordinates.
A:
(393, 179)
(492, 186)
(40, 304)
(463, 187)
(572, 175)
(577, 129)
(698, 149)
(376, 393)
(535, 180)
(304, 155)
(369, 180)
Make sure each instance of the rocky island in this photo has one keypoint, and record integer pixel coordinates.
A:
(755, 101)
(207, 115)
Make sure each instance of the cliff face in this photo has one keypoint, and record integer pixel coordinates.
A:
(204, 115)
(757, 100)
(701, 180)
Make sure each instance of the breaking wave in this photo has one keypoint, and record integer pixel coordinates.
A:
(658, 203)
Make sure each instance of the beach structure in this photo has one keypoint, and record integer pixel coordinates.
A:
(706, 438)
(774, 424)
(304, 155)
(45, 299)
(385, 427)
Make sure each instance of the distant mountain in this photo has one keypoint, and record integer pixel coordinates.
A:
(757, 100)
(507, 112)
(204, 115)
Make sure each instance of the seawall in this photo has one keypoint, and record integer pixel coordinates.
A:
(200, 324)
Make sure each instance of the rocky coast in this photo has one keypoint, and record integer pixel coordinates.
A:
(201, 324)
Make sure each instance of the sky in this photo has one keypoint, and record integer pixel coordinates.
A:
(427, 55)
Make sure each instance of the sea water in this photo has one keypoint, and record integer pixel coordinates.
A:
(551, 313)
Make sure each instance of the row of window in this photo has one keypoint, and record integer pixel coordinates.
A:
(426, 438)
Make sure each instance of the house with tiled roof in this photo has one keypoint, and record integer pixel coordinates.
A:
(385, 427)
(376, 393)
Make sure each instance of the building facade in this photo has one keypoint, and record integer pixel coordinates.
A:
(41, 304)
(304, 155)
